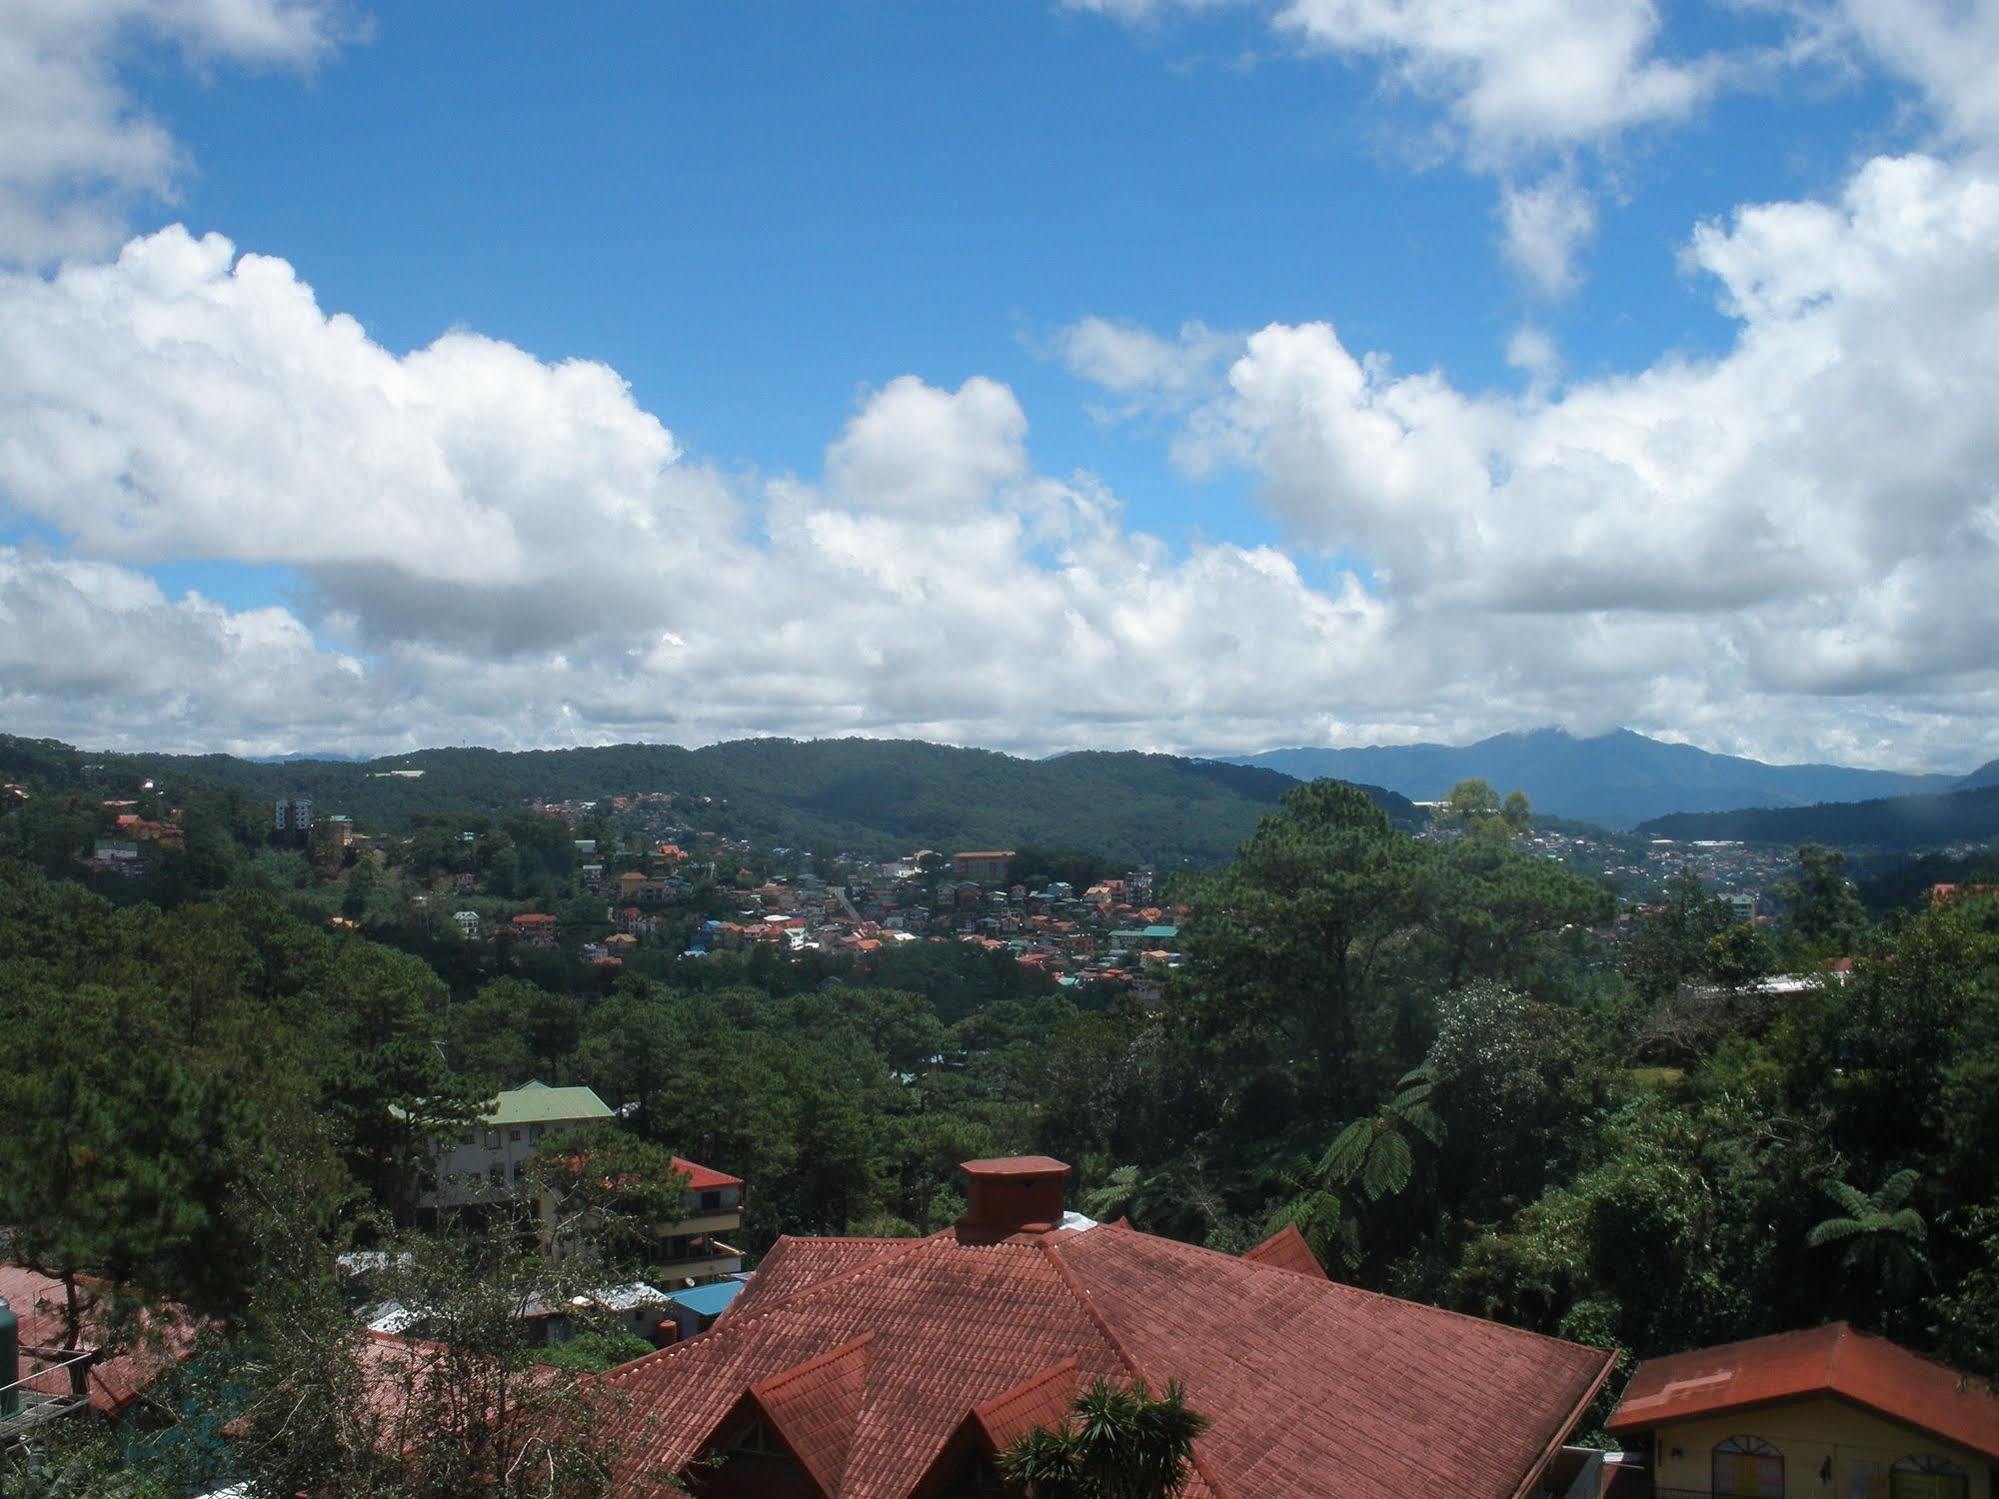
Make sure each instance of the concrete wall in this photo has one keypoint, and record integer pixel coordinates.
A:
(1860, 1446)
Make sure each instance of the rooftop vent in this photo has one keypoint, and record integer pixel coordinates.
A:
(1011, 1195)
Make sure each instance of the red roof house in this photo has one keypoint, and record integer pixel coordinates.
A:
(115, 1380)
(1835, 1363)
(704, 1178)
(897, 1368)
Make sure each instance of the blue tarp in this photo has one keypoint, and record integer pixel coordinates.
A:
(708, 1300)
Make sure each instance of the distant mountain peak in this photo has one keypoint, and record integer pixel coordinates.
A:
(1619, 777)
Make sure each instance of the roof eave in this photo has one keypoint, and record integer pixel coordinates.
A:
(1532, 1478)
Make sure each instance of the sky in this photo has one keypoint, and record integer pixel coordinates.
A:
(1195, 375)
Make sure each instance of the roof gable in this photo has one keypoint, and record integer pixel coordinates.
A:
(1287, 1250)
(1313, 1388)
(1836, 1360)
(814, 1405)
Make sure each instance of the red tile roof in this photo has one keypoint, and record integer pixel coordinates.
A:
(795, 1263)
(1043, 1400)
(813, 1406)
(114, 1382)
(1835, 1360)
(704, 1178)
(1287, 1250)
(1313, 1388)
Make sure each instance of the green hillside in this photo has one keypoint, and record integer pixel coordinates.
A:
(1896, 823)
(864, 795)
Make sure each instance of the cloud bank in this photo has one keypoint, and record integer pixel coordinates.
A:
(1787, 549)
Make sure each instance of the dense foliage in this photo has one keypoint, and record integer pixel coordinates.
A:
(1456, 1067)
(867, 795)
(1898, 822)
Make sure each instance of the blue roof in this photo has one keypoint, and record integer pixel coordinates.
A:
(709, 1300)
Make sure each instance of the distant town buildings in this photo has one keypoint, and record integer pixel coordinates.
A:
(291, 819)
(988, 864)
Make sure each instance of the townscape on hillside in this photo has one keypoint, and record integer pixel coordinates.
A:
(589, 1132)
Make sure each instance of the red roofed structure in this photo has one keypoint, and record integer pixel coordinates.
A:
(704, 1178)
(898, 1368)
(1287, 1250)
(1835, 1363)
(113, 1381)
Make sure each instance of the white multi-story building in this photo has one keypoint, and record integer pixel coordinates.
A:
(488, 1162)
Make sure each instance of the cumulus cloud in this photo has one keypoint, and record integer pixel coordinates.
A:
(1815, 506)
(1779, 549)
(1948, 49)
(920, 451)
(496, 548)
(1516, 74)
(1546, 224)
(75, 151)
(1144, 369)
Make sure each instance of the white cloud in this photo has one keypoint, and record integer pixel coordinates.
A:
(75, 151)
(1781, 549)
(1143, 368)
(1546, 224)
(1531, 351)
(1516, 74)
(1948, 48)
(1811, 514)
(919, 451)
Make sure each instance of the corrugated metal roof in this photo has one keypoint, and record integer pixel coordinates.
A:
(707, 1301)
(537, 1103)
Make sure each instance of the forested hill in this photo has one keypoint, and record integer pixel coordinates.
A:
(1896, 823)
(1986, 775)
(865, 795)
(1616, 779)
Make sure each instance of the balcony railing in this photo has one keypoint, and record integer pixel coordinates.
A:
(45, 1392)
(716, 1221)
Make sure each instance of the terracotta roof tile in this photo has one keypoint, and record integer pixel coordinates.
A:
(1313, 1388)
(704, 1178)
(1042, 1400)
(1316, 1388)
(814, 1407)
(795, 1262)
(1833, 1360)
(1287, 1250)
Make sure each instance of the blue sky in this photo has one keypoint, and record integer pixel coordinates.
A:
(753, 211)
(789, 228)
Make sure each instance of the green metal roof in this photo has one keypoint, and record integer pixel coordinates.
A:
(537, 1103)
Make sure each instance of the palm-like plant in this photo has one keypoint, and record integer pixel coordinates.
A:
(1879, 1235)
(1119, 1443)
(1375, 1153)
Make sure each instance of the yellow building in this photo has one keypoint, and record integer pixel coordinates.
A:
(1830, 1413)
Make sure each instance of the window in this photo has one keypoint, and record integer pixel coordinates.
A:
(1924, 1475)
(492, 1139)
(1748, 1468)
(514, 1135)
(710, 1200)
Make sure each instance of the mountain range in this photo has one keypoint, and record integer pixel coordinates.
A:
(1618, 779)
(872, 796)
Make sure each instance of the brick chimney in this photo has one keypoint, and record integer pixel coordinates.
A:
(1011, 1195)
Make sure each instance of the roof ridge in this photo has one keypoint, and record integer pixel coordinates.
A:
(1341, 1285)
(751, 1318)
(1082, 1294)
(831, 1355)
